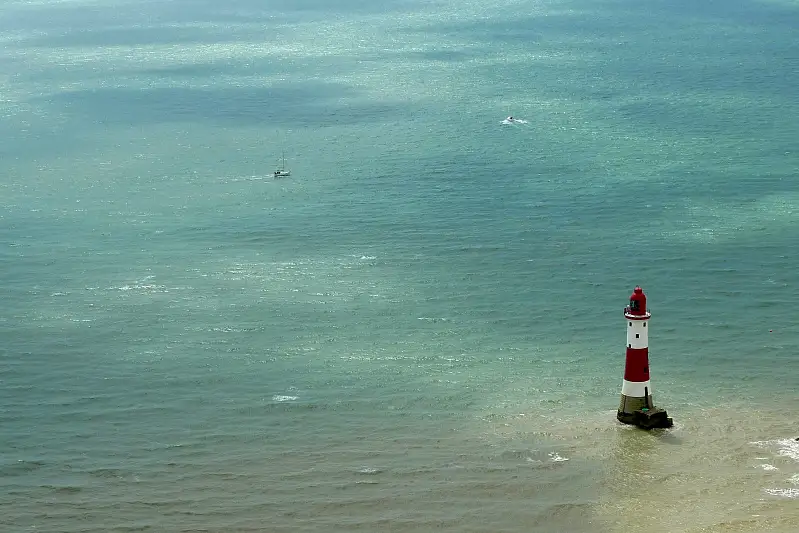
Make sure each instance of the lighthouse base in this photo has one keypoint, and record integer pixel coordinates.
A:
(644, 418)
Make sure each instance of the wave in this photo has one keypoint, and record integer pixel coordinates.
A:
(788, 448)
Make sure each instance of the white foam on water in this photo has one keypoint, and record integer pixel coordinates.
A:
(788, 448)
(785, 493)
(784, 447)
(284, 398)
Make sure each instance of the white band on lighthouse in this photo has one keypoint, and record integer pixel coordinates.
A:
(636, 389)
(637, 334)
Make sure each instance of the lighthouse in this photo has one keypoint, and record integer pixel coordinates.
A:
(636, 405)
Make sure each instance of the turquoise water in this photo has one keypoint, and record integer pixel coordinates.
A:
(421, 328)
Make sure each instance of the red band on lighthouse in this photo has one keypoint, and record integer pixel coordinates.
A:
(636, 367)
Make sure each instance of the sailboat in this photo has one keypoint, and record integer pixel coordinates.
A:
(282, 172)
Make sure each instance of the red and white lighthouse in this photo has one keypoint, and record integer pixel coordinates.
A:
(636, 391)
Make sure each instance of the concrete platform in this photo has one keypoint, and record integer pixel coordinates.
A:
(644, 418)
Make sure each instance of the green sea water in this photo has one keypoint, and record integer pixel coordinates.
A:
(421, 329)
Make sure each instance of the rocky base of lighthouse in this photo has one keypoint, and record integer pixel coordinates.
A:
(644, 418)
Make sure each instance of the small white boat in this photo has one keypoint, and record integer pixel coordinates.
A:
(282, 172)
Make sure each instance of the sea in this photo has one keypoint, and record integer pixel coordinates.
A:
(420, 329)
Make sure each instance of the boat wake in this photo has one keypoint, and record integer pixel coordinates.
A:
(513, 120)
